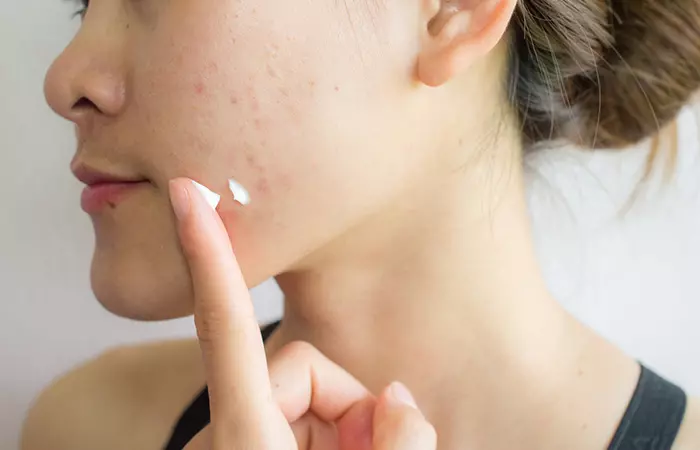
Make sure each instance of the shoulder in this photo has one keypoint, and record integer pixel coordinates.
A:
(130, 396)
(689, 435)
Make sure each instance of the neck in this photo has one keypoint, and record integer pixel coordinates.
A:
(443, 288)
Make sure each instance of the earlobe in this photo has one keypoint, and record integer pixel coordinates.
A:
(461, 32)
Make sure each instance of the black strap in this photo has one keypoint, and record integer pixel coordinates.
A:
(196, 416)
(192, 421)
(654, 416)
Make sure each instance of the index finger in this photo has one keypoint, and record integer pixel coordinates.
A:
(229, 336)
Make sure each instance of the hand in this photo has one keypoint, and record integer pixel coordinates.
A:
(302, 400)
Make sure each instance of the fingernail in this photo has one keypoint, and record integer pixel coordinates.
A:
(180, 199)
(211, 197)
(401, 394)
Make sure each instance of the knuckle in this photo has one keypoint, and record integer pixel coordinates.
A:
(209, 324)
(299, 350)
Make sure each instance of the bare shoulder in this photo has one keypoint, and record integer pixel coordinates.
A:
(689, 436)
(128, 397)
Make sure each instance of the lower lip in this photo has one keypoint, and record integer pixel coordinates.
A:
(97, 197)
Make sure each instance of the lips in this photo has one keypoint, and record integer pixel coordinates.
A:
(90, 176)
(97, 197)
(104, 190)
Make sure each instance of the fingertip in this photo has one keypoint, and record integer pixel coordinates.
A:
(182, 189)
(399, 424)
(202, 234)
(397, 394)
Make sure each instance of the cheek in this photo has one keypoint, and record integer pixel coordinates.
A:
(284, 106)
(231, 101)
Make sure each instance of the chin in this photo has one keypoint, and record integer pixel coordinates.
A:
(138, 269)
(151, 283)
(140, 289)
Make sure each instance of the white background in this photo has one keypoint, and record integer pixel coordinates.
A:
(635, 277)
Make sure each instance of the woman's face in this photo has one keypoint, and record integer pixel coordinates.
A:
(312, 106)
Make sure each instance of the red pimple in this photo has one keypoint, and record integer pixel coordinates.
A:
(263, 186)
(253, 163)
(254, 103)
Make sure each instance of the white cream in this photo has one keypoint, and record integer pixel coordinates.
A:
(211, 197)
(240, 194)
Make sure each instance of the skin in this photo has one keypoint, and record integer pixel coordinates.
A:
(387, 199)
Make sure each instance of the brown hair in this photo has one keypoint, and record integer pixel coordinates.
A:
(602, 73)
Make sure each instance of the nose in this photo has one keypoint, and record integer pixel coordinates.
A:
(88, 79)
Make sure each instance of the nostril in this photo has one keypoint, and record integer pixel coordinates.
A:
(84, 103)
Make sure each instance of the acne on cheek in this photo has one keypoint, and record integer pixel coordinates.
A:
(266, 183)
(262, 185)
(253, 98)
(212, 69)
(252, 104)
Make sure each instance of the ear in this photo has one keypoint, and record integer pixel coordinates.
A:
(459, 32)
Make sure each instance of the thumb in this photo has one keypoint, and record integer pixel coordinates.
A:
(398, 424)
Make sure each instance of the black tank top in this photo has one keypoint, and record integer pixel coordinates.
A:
(651, 422)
